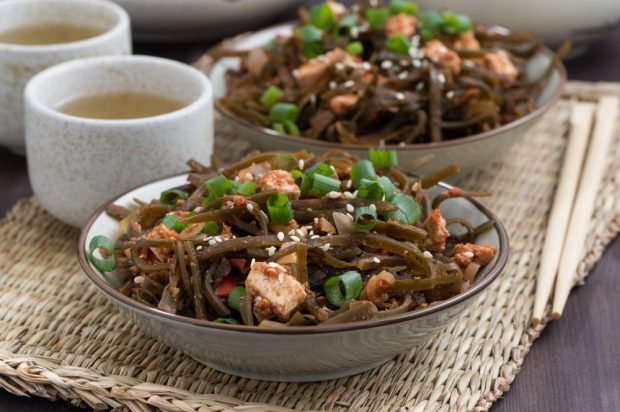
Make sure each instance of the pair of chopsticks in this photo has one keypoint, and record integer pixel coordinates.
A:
(574, 201)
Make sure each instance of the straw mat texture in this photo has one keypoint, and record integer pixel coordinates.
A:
(60, 339)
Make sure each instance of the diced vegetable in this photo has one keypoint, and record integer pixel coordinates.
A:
(279, 209)
(350, 281)
(169, 197)
(104, 244)
(365, 218)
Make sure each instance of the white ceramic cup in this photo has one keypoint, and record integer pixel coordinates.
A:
(18, 63)
(75, 163)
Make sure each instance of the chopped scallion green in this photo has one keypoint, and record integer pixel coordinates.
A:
(376, 17)
(408, 212)
(322, 185)
(234, 296)
(363, 169)
(404, 7)
(355, 48)
(365, 218)
(398, 44)
(279, 209)
(350, 281)
(284, 112)
(100, 242)
(383, 158)
(230, 321)
(169, 197)
(211, 228)
(321, 16)
(271, 95)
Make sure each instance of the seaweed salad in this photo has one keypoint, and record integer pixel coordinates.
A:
(384, 72)
(284, 238)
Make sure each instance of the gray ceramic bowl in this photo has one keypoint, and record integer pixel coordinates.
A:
(293, 353)
(468, 152)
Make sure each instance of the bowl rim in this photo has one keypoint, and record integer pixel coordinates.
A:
(269, 133)
(114, 295)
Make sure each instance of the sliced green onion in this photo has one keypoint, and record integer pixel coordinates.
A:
(172, 222)
(398, 44)
(355, 48)
(234, 296)
(247, 188)
(321, 16)
(365, 218)
(388, 187)
(307, 181)
(292, 128)
(363, 169)
(104, 243)
(376, 17)
(211, 228)
(284, 112)
(312, 50)
(322, 185)
(309, 33)
(271, 95)
(279, 209)
(348, 21)
(278, 127)
(370, 189)
(230, 321)
(220, 186)
(404, 7)
(383, 158)
(169, 197)
(427, 34)
(432, 21)
(450, 24)
(408, 212)
(350, 281)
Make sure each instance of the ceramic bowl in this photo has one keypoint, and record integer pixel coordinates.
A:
(76, 163)
(19, 63)
(294, 353)
(468, 152)
(182, 20)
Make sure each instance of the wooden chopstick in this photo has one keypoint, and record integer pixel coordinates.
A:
(580, 128)
(596, 162)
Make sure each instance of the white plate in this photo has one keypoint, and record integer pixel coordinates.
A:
(177, 20)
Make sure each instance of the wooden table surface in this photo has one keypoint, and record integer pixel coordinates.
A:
(574, 366)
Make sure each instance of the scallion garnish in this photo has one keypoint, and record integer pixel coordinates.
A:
(278, 127)
(311, 37)
(169, 197)
(350, 281)
(279, 209)
(370, 189)
(365, 218)
(234, 296)
(172, 222)
(220, 186)
(292, 128)
(284, 112)
(210, 228)
(322, 185)
(383, 158)
(376, 17)
(408, 212)
(355, 48)
(388, 187)
(363, 169)
(348, 21)
(404, 7)
(321, 16)
(307, 178)
(230, 321)
(453, 23)
(398, 43)
(246, 188)
(102, 243)
(271, 95)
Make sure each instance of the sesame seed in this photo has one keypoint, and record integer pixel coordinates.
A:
(427, 254)
(376, 260)
(402, 144)
(350, 216)
(326, 247)
(354, 194)
(291, 232)
(386, 64)
(301, 164)
(316, 220)
(420, 86)
(366, 66)
(339, 66)
(354, 32)
(348, 195)
(415, 187)
(468, 254)
(296, 72)
(450, 94)
(248, 176)
(295, 238)
(315, 237)
(332, 85)
(218, 239)
(252, 262)
(250, 207)
(199, 209)
(280, 277)
(311, 233)
(333, 195)
(138, 279)
(273, 264)
(441, 78)
(199, 247)
(236, 178)
(280, 236)
(349, 83)
(348, 184)
(264, 215)
(350, 208)
(404, 62)
(373, 207)
(416, 63)
(400, 96)
(271, 250)
(212, 242)
(403, 75)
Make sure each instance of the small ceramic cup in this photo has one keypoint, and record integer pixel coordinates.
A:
(76, 163)
(18, 63)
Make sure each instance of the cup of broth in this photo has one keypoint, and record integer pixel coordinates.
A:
(37, 34)
(97, 127)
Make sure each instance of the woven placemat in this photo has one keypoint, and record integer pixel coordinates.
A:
(60, 339)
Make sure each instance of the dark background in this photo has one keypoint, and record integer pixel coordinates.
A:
(574, 366)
